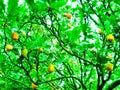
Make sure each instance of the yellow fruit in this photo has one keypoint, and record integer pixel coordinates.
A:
(68, 15)
(34, 86)
(110, 38)
(24, 52)
(9, 47)
(15, 36)
(51, 68)
(109, 66)
(24, 33)
(69, 25)
(100, 31)
(40, 49)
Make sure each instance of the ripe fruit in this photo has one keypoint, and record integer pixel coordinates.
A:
(34, 86)
(9, 47)
(110, 38)
(24, 52)
(69, 16)
(15, 36)
(109, 66)
(51, 68)
(100, 31)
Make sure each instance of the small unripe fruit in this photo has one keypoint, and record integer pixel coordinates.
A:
(70, 61)
(24, 33)
(100, 31)
(15, 36)
(51, 68)
(40, 49)
(109, 66)
(110, 38)
(9, 47)
(40, 30)
(24, 52)
(34, 86)
(109, 56)
(69, 16)
(69, 25)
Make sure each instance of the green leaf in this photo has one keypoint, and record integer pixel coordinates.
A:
(58, 4)
(43, 4)
(102, 59)
(74, 34)
(107, 26)
(2, 6)
(73, 0)
(12, 6)
(30, 4)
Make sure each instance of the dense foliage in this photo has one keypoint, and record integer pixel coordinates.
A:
(59, 44)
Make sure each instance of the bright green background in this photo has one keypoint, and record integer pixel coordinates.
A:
(78, 53)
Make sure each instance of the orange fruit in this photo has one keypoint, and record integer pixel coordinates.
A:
(109, 66)
(34, 86)
(51, 68)
(9, 47)
(110, 38)
(15, 36)
(68, 15)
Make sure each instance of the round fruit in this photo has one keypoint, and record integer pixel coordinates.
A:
(9, 47)
(40, 49)
(34, 86)
(51, 68)
(69, 16)
(110, 38)
(24, 52)
(109, 66)
(15, 36)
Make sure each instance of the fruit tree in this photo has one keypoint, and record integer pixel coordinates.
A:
(59, 45)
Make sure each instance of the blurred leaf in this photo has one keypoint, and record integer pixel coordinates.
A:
(2, 6)
(107, 26)
(102, 60)
(30, 4)
(74, 34)
(41, 6)
(73, 0)
(12, 6)
(58, 4)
